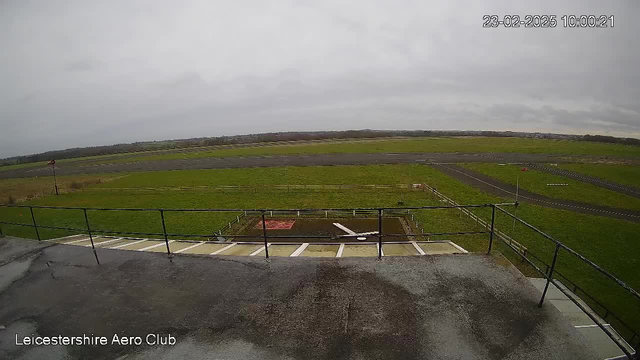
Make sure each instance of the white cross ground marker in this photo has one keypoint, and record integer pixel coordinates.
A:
(351, 233)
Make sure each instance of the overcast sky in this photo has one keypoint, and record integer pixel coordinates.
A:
(88, 72)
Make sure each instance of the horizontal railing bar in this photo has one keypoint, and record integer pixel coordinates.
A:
(17, 224)
(612, 314)
(57, 228)
(432, 234)
(528, 225)
(252, 210)
(524, 257)
(601, 270)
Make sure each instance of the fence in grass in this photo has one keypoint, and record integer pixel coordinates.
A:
(257, 188)
(629, 335)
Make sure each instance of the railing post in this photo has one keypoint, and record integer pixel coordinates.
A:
(550, 275)
(86, 220)
(35, 226)
(493, 227)
(264, 235)
(379, 233)
(164, 230)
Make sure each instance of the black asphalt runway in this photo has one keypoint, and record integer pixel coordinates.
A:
(502, 189)
(288, 160)
(623, 189)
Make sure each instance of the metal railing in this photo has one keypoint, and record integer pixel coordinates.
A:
(550, 271)
(380, 213)
(377, 212)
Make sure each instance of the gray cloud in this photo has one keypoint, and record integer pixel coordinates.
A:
(79, 73)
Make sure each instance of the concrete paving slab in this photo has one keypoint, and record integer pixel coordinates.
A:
(84, 242)
(320, 251)
(604, 346)
(116, 243)
(399, 250)
(163, 248)
(282, 250)
(67, 238)
(179, 245)
(241, 250)
(437, 248)
(593, 335)
(108, 242)
(206, 249)
(579, 318)
(361, 250)
(565, 306)
(96, 241)
(139, 245)
(75, 240)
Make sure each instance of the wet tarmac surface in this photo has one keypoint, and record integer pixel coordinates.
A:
(422, 307)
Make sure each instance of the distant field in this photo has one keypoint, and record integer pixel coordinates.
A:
(609, 242)
(623, 174)
(536, 181)
(435, 145)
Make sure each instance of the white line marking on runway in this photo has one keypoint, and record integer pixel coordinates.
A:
(223, 249)
(127, 244)
(188, 248)
(340, 250)
(420, 251)
(155, 246)
(299, 250)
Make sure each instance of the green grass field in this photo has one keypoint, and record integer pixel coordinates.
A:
(17, 190)
(435, 145)
(536, 181)
(623, 174)
(610, 243)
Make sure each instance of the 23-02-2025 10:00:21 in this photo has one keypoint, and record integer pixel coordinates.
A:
(548, 21)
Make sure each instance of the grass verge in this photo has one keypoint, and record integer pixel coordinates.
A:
(537, 182)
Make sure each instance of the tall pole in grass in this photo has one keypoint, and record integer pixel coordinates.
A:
(53, 168)
(515, 210)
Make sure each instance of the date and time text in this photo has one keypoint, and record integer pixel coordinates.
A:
(548, 21)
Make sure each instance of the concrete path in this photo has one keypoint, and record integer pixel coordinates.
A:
(420, 307)
(593, 335)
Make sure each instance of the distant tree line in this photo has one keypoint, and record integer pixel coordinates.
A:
(290, 136)
(611, 139)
